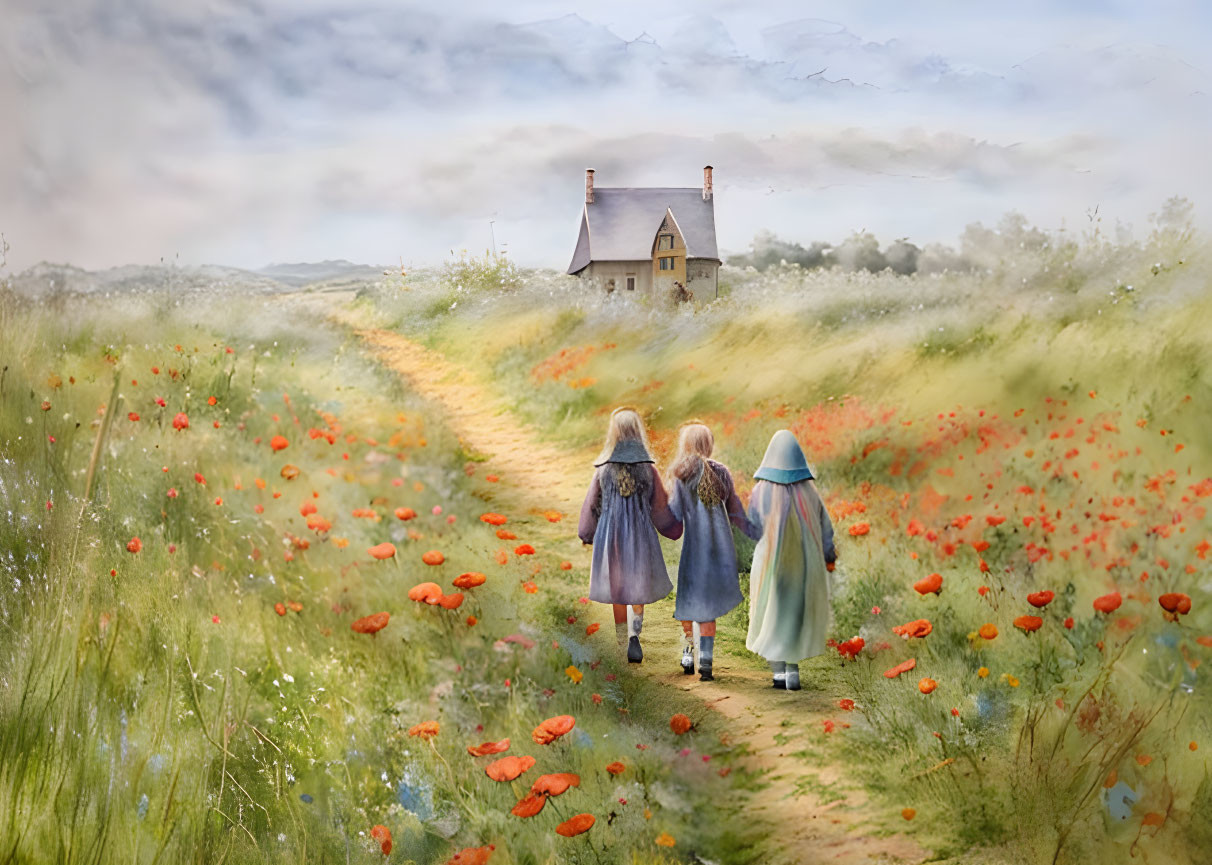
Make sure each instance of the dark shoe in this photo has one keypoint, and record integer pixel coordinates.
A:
(634, 653)
(780, 684)
(793, 679)
(705, 673)
(687, 662)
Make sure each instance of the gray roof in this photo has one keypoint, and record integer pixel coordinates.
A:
(621, 224)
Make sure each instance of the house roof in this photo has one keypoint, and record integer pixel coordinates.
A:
(621, 224)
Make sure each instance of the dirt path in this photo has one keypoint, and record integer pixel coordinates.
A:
(820, 816)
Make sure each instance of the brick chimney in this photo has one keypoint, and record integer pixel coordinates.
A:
(707, 183)
(589, 186)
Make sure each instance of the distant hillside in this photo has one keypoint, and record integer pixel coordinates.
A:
(305, 273)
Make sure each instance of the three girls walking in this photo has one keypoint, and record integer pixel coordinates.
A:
(627, 506)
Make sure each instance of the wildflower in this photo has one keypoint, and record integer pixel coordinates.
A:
(529, 587)
(932, 584)
(859, 529)
(573, 673)
(428, 593)
(988, 631)
(317, 523)
(1040, 599)
(616, 768)
(472, 856)
(665, 840)
(280, 608)
(433, 557)
(469, 580)
(371, 624)
(289, 472)
(576, 825)
(954, 712)
(529, 805)
(555, 784)
(1174, 604)
(597, 699)
(846, 703)
(211, 400)
(680, 723)
(134, 545)
(1108, 603)
(508, 768)
(592, 629)
(916, 628)
(382, 551)
(181, 421)
(506, 535)
(452, 601)
(425, 730)
(565, 566)
(1012, 681)
(903, 667)
(927, 685)
(492, 479)
(278, 443)
(523, 550)
(553, 516)
(471, 621)
(1069, 623)
(908, 813)
(1028, 623)
(379, 833)
(552, 729)
(133, 416)
(405, 514)
(488, 748)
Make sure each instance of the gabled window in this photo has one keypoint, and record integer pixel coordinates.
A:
(665, 241)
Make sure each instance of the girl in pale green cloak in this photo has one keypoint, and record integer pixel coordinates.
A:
(788, 581)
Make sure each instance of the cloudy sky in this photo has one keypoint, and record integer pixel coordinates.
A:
(246, 132)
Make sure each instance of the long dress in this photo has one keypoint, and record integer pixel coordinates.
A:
(625, 507)
(788, 582)
(707, 573)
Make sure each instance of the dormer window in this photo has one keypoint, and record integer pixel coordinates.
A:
(666, 263)
(665, 241)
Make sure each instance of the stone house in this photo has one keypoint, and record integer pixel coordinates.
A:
(649, 240)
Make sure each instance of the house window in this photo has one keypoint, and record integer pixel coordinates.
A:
(665, 241)
(631, 282)
(666, 263)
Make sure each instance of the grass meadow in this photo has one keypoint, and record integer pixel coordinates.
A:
(200, 496)
(1026, 441)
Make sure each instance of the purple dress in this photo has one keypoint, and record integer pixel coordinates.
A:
(623, 511)
(707, 573)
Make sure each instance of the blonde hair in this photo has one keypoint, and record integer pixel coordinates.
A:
(695, 444)
(625, 425)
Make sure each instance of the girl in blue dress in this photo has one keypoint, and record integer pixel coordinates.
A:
(705, 502)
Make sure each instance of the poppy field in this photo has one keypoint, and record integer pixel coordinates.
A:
(1017, 462)
(259, 604)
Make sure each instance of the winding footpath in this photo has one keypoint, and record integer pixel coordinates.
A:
(815, 813)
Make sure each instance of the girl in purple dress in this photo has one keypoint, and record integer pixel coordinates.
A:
(705, 502)
(625, 508)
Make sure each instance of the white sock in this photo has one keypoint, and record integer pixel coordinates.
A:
(635, 622)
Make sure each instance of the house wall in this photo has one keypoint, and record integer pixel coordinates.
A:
(663, 280)
(703, 278)
(602, 272)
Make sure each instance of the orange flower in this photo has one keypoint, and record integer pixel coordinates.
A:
(565, 566)
(380, 833)
(616, 768)
(469, 580)
(859, 529)
(451, 602)
(1040, 599)
(433, 557)
(180, 422)
(278, 443)
(280, 608)
(529, 805)
(592, 629)
(523, 550)
(932, 584)
(927, 685)
(552, 729)
(317, 523)
(501, 556)
(488, 748)
(429, 593)
(529, 587)
(493, 519)
(902, 667)
(555, 784)
(382, 551)
(505, 535)
(426, 729)
(405, 514)
(295, 605)
(1153, 819)
(988, 631)
(680, 723)
(908, 813)
(290, 472)
(553, 516)
(1108, 603)
(665, 840)
(1028, 623)
(1175, 604)
(916, 628)
(134, 545)
(576, 825)
(371, 624)
(508, 768)
(472, 856)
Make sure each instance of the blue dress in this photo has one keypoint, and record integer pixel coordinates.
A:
(707, 573)
(625, 507)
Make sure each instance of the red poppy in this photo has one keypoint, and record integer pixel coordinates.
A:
(576, 825)
(846, 703)
(469, 580)
(380, 833)
(902, 667)
(132, 416)
(1108, 603)
(472, 856)
(433, 557)
(1028, 623)
(429, 593)
(680, 723)
(181, 421)
(927, 685)
(134, 545)
(278, 443)
(508, 768)
(488, 748)
(523, 550)
(425, 729)
(565, 566)
(555, 784)
(1175, 604)
(932, 584)
(850, 648)
(529, 805)
(552, 729)
(405, 514)
(371, 624)
(493, 519)
(1040, 599)
(290, 472)
(382, 551)
(859, 529)
(916, 628)
(592, 629)
(280, 608)
(616, 768)
(451, 602)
